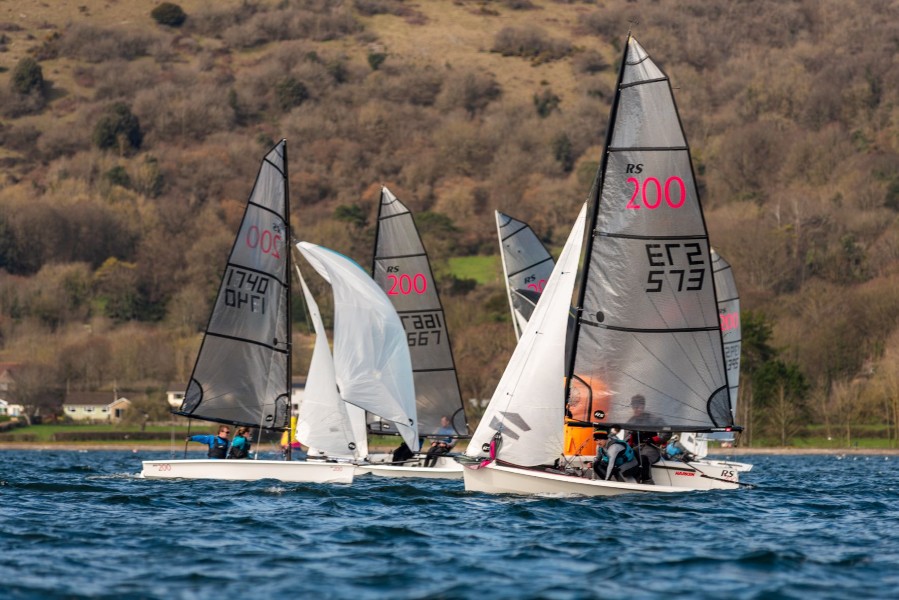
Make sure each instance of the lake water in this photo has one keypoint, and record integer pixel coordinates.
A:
(81, 525)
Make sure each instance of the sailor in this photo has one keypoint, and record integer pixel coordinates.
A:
(614, 458)
(443, 444)
(240, 445)
(218, 444)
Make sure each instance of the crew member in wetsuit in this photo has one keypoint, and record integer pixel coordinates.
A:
(218, 444)
(240, 445)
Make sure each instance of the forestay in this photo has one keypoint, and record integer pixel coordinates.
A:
(528, 405)
(649, 321)
(371, 356)
(401, 268)
(241, 373)
(323, 422)
(526, 267)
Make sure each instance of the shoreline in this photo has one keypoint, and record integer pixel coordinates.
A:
(717, 452)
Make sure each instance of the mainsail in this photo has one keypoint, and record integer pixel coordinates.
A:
(323, 423)
(242, 373)
(729, 314)
(648, 352)
(372, 366)
(528, 404)
(526, 267)
(402, 269)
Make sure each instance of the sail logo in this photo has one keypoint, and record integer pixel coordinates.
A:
(729, 321)
(651, 192)
(265, 240)
(683, 261)
(502, 425)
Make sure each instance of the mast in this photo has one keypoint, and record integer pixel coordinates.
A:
(288, 312)
(593, 205)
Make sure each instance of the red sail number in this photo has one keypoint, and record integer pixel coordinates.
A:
(651, 191)
(405, 285)
(265, 241)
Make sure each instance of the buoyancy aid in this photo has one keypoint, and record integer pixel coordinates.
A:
(241, 451)
(625, 459)
(218, 447)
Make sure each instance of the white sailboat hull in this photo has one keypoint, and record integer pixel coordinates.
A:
(249, 470)
(497, 479)
(445, 468)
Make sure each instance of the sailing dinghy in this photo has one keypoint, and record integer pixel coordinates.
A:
(402, 269)
(243, 371)
(647, 321)
(527, 265)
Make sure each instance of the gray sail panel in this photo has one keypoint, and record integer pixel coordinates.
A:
(649, 326)
(402, 270)
(241, 371)
(729, 315)
(527, 266)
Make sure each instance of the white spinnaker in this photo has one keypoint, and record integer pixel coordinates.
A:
(323, 423)
(528, 405)
(371, 352)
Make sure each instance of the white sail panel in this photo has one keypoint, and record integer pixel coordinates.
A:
(402, 269)
(729, 314)
(241, 371)
(371, 354)
(323, 423)
(528, 405)
(526, 267)
(649, 353)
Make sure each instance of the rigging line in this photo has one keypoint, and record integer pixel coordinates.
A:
(246, 341)
(517, 231)
(676, 376)
(530, 267)
(677, 302)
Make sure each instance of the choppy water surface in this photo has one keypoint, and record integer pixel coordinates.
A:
(81, 525)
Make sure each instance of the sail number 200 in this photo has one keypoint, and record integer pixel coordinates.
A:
(651, 191)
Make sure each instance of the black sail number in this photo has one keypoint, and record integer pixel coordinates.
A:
(681, 263)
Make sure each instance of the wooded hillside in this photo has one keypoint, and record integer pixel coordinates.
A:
(129, 142)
